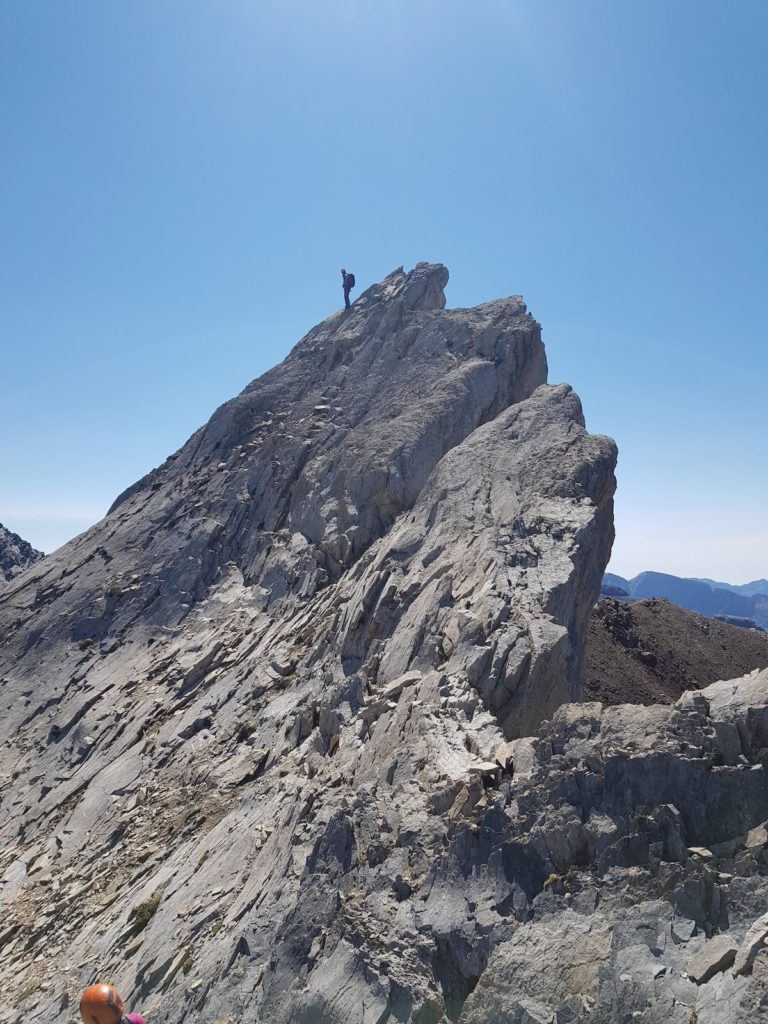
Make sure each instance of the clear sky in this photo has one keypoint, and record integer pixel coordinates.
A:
(180, 181)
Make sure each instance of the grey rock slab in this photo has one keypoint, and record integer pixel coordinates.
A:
(715, 956)
(519, 978)
(683, 930)
(751, 945)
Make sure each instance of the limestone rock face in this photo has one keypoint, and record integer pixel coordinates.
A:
(251, 720)
(522, 507)
(16, 555)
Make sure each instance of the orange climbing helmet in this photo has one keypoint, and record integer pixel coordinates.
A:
(101, 1004)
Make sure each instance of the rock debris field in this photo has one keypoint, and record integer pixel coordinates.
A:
(296, 733)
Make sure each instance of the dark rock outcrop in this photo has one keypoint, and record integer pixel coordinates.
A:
(646, 837)
(16, 555)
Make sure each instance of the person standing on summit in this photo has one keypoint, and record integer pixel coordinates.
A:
(348, 281)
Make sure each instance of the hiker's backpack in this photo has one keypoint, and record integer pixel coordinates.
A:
(351, 280)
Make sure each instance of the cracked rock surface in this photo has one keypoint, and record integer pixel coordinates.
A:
(290, 734)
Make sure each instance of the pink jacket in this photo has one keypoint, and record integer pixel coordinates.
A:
(135, 1018)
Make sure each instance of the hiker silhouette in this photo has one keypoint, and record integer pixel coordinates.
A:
(348, 283)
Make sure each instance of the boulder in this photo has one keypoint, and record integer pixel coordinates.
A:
(716, 955)
(755, 939)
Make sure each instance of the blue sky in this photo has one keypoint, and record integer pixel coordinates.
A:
(180, 181)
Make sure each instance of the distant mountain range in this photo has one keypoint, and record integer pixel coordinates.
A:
(707, 597)
(747, 589)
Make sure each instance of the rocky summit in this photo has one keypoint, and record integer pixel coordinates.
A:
(296, 733)
(15, 555)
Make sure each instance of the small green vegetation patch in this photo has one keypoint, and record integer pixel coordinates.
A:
(25, 993)
(142, 914)
(188, 961)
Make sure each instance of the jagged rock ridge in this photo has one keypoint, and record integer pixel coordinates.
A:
(16, 555)
(263, 727)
